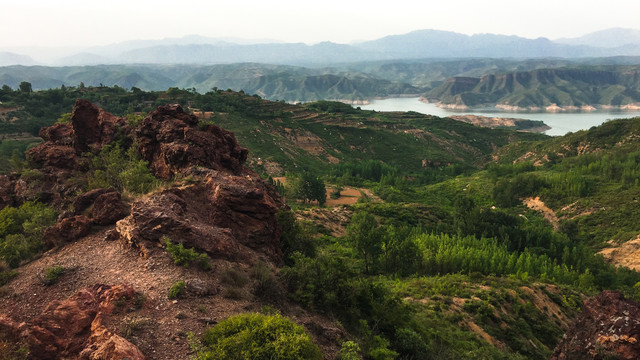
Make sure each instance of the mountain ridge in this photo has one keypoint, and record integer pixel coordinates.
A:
(415, 44)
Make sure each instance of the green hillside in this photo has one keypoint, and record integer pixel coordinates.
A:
(572, 87)
(443, 260)
(274, 82)
(316, 135)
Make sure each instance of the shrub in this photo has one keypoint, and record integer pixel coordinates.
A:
(266, 287)
(177, 289)
(52, 274)
(21, 231)
(257, 336)
(234, 277)
(123, 170)
(349, 351)
(185, 257)
(295, 237)
(6, 273)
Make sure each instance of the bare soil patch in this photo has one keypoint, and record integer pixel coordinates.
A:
(165, 322)
(539, 206)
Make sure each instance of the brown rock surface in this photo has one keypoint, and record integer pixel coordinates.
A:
(68, 229)
(108, 208)
(74, 328)
(607, 327)
(227, 216)
(84, 201)
(107, 205)
(93, 127)
(49, 154)
(170, 140)
(59, 134)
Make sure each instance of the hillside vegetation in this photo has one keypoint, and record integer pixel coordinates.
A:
(457, 256)
(571, 88)
(469, 82)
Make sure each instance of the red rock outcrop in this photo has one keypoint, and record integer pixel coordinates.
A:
(93, 127)
(59, 134)
(60, 154)
(171, 141)
(66, 230)
(49, 154)
(74, 328)
(225, 215)
(607, 327)
(107, 205)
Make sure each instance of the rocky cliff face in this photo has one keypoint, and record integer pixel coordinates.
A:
(607, 328)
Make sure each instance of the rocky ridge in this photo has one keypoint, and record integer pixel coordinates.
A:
(212, 204)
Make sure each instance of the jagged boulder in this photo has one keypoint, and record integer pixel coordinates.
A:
(607, 327)
(50, 154)
(108, 208)
(74, 328)
(227, 216)
(68, 229)
(107, 205)
(171, 141)
(59, 134)
(93, 127)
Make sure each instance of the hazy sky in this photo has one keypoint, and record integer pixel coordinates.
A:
(102, 22)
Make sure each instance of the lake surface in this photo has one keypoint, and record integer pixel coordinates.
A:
(560, 123)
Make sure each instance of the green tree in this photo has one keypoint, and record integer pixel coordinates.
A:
(25, 87)
(307, 188)
(363, 233)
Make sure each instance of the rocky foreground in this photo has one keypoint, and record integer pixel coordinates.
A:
(607, 328)
(209, 202)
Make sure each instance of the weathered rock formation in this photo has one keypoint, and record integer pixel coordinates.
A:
(227, 216)
(608, 327)
(94, 127)
(228, 212)
(171, 141)
(60, 155)
(75, 328)
(66, 230)
(107, 206)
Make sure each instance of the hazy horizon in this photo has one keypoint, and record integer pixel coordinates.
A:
(81, 24)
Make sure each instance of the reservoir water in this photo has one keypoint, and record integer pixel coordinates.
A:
(560, 123)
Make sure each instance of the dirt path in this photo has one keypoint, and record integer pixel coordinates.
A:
(538, 205)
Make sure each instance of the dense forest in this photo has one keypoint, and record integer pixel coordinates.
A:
(444, 261)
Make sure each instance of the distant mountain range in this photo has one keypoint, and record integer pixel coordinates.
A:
(414, 45)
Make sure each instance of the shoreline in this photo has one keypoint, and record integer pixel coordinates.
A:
(553, 108)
